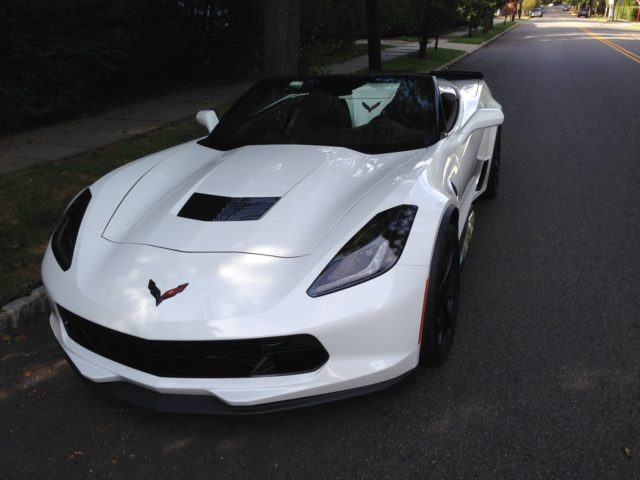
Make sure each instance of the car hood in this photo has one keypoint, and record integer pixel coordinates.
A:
(313, 188)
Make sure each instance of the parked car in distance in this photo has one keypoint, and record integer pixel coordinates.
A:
(583, 12)
(565, 8)
(537, 12)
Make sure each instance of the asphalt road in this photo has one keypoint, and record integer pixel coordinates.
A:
(544, 379)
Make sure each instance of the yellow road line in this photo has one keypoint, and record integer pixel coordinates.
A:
(627, 53)
(615, 46)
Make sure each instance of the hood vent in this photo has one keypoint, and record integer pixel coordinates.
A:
(213, 208)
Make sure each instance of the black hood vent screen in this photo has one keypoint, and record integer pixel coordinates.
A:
(213, 208)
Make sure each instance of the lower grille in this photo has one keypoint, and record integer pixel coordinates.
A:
(199, 359)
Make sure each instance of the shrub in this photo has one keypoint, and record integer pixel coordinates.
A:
(627, 12)
(63, 56)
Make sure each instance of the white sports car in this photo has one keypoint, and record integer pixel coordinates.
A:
(307, 249)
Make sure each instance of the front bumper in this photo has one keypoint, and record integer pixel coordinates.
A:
(211, 405)
(370, 332)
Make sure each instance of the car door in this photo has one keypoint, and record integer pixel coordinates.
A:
(461, 157)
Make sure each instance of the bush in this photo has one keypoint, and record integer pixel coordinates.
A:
(627, 12)
(63, 56)
(397, 18)
(328, 27)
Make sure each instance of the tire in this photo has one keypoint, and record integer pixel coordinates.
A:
(441, 311)
(494, 171)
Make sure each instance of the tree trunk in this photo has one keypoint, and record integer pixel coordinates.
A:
(281, 37)
(373, 35)
(422, 50)
(423, 30)
(487, 20)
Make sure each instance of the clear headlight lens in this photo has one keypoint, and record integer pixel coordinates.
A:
(370, 252)
(63, 241)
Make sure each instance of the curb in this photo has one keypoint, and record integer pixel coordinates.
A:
(25, 309)
(466, 54)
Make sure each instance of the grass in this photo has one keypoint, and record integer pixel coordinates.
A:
(320, 62)
(407, 39)
(476, 38)
(479, 37)
(33, 201)
(411, 63)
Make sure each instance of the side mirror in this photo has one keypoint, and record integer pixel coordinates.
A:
(207, 118)
(483, 118)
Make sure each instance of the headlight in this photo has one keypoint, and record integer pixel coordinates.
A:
(371, 252)
(64, 237)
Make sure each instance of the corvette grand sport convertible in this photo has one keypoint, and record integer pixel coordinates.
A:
(307, 249)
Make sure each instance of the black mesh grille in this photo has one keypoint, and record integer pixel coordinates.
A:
(199, 359)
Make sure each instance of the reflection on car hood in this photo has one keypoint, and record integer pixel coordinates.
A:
(313, 188)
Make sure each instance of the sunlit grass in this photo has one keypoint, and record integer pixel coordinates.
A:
(411, 63)
(478, 37)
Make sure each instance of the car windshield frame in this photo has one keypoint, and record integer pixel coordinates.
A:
(372, 114)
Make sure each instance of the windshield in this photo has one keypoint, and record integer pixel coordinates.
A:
(372, 114)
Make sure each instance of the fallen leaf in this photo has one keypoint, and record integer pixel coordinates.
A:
(28, 373)
(627, 452)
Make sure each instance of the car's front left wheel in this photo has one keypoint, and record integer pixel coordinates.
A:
(441, 311)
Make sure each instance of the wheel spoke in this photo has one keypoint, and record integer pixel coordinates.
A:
(445, 307)
(449, 279)
(446, 317)
(447, 272)
(449, 283)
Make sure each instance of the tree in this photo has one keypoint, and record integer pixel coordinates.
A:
(281, 37)
(373, 35)
(422, 10)
(471, 11)
(432, 17)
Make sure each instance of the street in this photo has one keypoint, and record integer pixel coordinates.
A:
(544, 378)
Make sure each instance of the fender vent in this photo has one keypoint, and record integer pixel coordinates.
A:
(213, 208)
(483, 173)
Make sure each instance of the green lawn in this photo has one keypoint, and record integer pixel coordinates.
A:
(407, 39)
(320, 62)
(33, 201)
(411, 63)
(479, 37)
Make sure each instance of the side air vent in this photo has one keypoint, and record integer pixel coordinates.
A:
(213, 208)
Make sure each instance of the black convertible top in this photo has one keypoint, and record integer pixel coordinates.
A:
(371, 113)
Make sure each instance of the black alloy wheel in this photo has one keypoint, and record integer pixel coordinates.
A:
(441, 313)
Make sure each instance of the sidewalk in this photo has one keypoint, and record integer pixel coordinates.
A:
(400, 49)
(62, 140)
